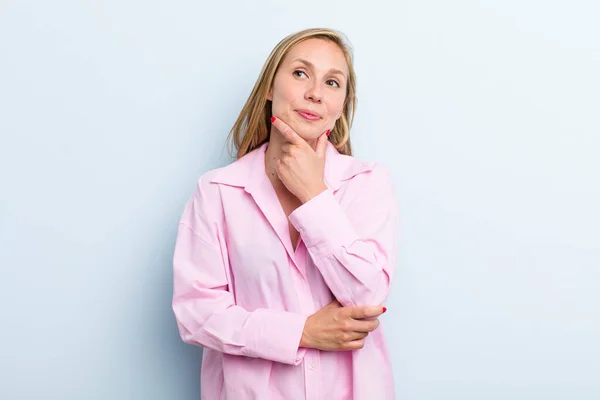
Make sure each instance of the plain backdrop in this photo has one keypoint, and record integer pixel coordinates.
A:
(487, 113)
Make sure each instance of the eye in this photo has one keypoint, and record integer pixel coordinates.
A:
(334, 82)
(296, 72)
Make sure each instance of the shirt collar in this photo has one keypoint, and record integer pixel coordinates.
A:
(249, 170)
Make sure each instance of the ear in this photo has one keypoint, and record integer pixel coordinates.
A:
(270, 95)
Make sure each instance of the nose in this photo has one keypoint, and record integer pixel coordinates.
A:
(314, 93)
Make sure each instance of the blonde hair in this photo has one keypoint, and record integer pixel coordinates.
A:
(253, 125)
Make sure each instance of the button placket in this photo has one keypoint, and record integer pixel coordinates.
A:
(312, 381)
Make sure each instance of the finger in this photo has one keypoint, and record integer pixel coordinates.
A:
(279, 168)
(287, 132)
(366, 326)
(354, 345)
(360, 312)
(287, 147)
(352, 336)
(360, 335)
(322, 144)
(357, 336)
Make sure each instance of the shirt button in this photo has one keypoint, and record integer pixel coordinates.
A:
(312, 366)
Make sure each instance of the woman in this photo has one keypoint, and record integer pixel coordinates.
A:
(284, 257)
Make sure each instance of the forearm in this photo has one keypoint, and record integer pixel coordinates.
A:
(207, 315)
(262, 333)
(357, 264)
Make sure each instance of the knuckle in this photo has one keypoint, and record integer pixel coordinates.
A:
(362, 312)
(374, 325)
(345, 325)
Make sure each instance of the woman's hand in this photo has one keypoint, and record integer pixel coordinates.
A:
(340, 328)
(301, 168)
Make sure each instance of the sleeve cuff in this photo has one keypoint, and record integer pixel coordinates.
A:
(323, 224)
(277, 336)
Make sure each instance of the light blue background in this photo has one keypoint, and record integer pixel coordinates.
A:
(487, 112)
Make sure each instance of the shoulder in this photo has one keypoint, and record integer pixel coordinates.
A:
(368, 185)
(205, 200)
(205, 186)
(206, 181)
(356, 173)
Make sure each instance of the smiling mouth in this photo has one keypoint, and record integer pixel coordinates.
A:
(308, 116)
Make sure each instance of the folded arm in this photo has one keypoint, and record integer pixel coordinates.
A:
(353, 244)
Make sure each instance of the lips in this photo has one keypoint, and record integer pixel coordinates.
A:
(309, 115)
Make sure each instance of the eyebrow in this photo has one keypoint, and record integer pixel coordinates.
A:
(311, 65)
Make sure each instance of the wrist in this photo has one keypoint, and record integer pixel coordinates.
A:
(304, 339)
(310, 194)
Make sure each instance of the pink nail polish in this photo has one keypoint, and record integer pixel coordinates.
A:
(273, 119)
(328, 132)
(384, 309)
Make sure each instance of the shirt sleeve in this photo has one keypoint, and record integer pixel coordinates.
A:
(353, 244)
(204, 305)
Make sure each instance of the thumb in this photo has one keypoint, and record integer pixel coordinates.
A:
(322, 144)
(362, 312)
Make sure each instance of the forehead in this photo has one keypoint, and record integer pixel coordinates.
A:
(323, 54)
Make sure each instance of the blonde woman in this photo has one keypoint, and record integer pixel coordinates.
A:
(284, 257)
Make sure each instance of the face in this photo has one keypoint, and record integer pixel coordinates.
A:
(309, 88)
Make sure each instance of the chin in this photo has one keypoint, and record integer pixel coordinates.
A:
(308, 135)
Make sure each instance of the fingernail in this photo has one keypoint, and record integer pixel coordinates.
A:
(273, 119)
(384, 309)
(328, 132)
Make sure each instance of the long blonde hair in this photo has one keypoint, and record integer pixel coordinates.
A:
(253, 126)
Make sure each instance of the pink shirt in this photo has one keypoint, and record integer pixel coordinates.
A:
(243, 293)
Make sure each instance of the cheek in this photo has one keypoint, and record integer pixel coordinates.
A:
(284, 105)
(337, 108)
(285, 88)
(283, 98)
